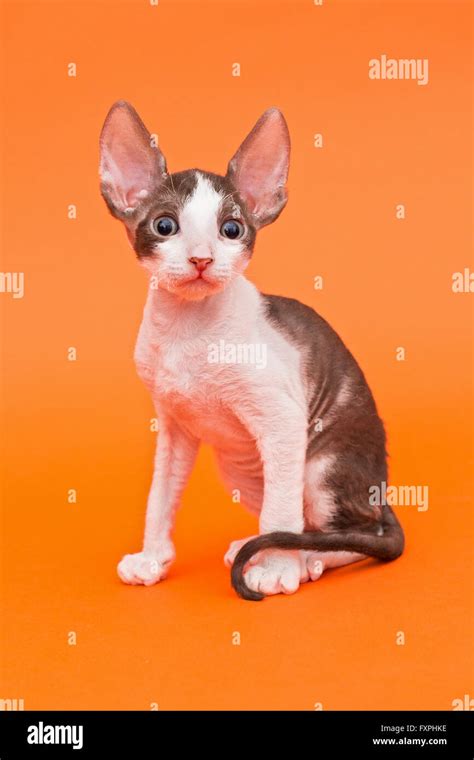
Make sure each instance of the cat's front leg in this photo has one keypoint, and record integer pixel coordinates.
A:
(279, 427)
(174, 460)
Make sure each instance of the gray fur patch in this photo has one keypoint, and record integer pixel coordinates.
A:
(354, 433)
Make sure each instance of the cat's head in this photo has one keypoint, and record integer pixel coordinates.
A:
(193, 230)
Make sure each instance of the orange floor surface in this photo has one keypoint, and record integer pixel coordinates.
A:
(369, 636)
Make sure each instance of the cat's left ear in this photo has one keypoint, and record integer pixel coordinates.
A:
(130, 164)
(259, 169)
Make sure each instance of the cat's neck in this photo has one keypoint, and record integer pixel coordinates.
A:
(168, 314)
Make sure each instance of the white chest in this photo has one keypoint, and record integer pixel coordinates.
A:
(204, 390)
(196, 392)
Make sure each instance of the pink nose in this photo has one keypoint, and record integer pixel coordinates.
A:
(199, 263)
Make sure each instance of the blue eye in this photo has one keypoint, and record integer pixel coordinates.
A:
(232, 229)
(165, 226)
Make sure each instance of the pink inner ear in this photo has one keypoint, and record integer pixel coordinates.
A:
(129, 164)
(259, 169)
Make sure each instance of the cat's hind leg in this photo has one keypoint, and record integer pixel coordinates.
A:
(317, 562)
(321, 511)
(234, 548)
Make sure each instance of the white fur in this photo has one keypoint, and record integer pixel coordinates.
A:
(276, 572)
(317, 562)
(312, 564)
(319, 502)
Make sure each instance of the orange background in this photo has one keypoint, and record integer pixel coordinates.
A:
(85, 424)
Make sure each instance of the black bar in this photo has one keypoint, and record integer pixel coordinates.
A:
(432, 734)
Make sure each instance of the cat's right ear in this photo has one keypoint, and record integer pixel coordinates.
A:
(130, 164)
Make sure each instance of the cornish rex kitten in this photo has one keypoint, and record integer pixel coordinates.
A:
(298, 434)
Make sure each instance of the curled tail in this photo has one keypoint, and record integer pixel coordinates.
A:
(386, 546)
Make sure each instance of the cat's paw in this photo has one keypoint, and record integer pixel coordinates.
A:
(233, 550)
(314, 562)
(143, 568)
(276, 572)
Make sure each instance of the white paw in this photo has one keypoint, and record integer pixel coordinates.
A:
(314, 565)
(143, 568)
(233, 550)
(276, 572)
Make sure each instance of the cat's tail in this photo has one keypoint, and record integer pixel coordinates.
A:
(386, 546)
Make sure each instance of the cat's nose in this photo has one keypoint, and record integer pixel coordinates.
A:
(200, 263)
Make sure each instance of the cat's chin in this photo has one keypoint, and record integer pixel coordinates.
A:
(196, 289)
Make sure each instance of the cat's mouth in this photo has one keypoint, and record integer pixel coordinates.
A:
(193, 285)
(199, 278)
(200, 285)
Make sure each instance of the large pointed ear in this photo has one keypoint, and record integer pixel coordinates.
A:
(259, 169)
(130, 164)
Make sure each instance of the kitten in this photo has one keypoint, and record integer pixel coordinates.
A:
(299, 434)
